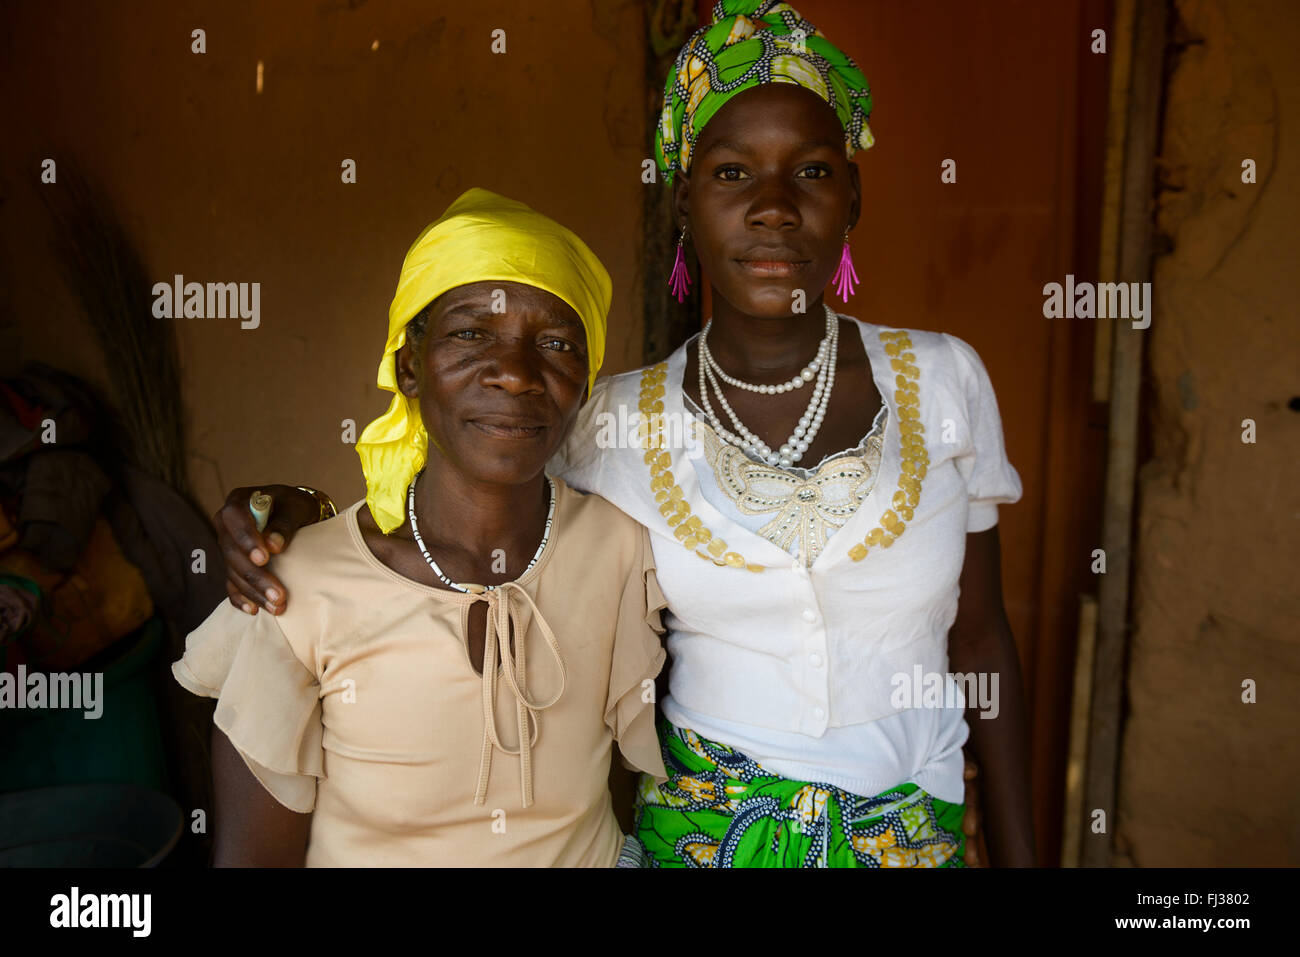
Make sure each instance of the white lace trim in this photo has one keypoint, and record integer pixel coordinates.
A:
(807, 504)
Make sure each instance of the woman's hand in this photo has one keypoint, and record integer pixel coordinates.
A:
(247, 550)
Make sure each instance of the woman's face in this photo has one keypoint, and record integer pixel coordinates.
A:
(769, 197)
(500, 373)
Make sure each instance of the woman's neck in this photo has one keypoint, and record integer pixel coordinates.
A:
(759, 349)
(478, 518)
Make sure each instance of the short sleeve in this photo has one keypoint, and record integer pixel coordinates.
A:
(638, 658)
(991, 480)
(268, 703)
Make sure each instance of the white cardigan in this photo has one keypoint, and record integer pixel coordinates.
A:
(795, 667)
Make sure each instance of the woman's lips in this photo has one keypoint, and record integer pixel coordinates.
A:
(503, 431)
(772, 269)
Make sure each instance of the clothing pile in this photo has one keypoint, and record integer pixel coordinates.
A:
(90, 546)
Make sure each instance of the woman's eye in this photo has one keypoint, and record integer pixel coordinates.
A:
(730, 174)
(815, 172)
(559, 345)
(465, 335)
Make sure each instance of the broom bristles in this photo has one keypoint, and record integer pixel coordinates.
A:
(107, 275)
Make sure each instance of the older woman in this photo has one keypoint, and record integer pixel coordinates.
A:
(833, 546)
(467, 642)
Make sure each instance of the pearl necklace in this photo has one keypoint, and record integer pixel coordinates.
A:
(798, 382)
(470, 588)
(809, 423)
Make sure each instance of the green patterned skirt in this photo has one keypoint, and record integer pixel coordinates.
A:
(721, 809)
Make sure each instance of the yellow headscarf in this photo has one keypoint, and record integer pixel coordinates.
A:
(480, 238)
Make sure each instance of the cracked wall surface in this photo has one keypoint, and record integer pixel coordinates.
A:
(1206, 779)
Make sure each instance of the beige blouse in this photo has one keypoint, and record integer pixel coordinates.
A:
(360, 705)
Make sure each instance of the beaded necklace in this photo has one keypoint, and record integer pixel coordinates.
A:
(698, 538)
(471, 588)
(823, 368)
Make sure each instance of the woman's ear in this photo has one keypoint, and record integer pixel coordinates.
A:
(407, 367)
(681, 200)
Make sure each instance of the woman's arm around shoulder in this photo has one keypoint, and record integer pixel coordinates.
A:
(249, 583)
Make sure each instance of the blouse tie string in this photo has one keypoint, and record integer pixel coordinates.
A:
(502, 612)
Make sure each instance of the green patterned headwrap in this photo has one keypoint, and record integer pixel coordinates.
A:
(748, 43)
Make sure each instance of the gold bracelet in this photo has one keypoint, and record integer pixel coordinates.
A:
(327, 509)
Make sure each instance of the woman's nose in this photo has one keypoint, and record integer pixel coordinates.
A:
(514, 366)
(774, 206)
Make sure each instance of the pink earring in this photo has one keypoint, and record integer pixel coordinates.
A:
(680, 279)
(846, 277)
